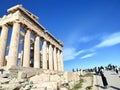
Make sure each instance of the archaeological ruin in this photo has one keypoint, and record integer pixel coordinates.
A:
(30, 57)
(40, 49)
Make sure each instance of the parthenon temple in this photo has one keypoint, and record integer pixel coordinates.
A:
(39, 49)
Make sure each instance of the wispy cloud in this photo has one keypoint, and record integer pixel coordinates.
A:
(72, 40)
(88, 55)
(71, 53)
(111, 40)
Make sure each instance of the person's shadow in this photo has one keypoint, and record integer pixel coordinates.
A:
(99, 86)
(115, 88)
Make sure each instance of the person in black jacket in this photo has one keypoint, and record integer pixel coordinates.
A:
(116, 70)
(104, 80)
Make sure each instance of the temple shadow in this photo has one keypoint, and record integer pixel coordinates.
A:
(100, 86)
(115, 88)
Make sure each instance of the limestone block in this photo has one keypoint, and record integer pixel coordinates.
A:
(5, 75)
(71, 84)
(54, 78)
(14, 86)
(44, 77)
(40, 78)
(30, 73)
(63, 88)
(48, 85)
(82, 72)
(4, 80)
(41, 88)
(35, 79)
(71, 76)
(27, 87)
(22, 75)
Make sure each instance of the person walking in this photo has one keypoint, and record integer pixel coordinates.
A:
(116, 70)
(104, 80)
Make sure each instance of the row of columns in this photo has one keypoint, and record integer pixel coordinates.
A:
(55, 59)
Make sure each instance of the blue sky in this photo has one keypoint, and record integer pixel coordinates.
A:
(89, 29)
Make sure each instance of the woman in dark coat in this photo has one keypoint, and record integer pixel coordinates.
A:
(116, 70)
(104, 80)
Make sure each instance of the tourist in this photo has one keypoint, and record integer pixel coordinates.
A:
(116, 70)
(104, 80)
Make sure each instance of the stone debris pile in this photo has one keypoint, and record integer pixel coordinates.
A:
(20, 78)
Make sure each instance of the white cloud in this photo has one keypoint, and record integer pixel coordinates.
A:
(87, 55)
(110, 40)
(71, 53)
(79, 52)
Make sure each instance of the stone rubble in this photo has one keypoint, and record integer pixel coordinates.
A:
(20, 78)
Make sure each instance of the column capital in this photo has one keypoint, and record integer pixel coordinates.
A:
(5, 25)
(16, 21)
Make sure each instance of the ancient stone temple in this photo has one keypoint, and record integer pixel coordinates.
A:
(39, 48)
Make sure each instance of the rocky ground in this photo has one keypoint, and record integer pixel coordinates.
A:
(19, 78)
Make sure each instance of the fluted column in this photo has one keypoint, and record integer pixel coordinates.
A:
(14, 45)
(50, 57)
(55, 59)
(58, 59)
(61, 61)
(44, 54)
(37, 52)
(3, 43)
(26, 57)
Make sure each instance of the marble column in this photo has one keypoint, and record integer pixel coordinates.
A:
(37, 52)
(50, 57)
(44, 54)
(14, 45)
(3, 43)
(55, 58)
(58, 59)
(26, 56)
(61, 61)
